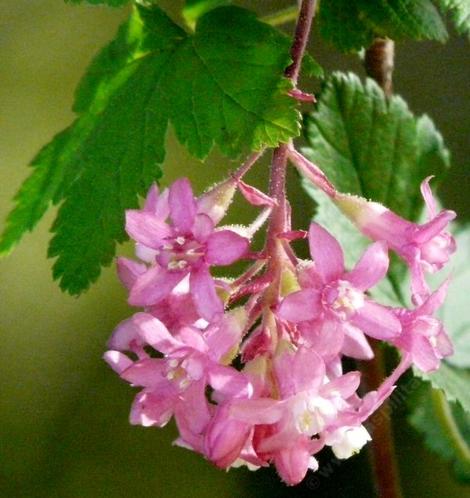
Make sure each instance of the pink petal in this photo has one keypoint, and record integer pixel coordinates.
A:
(203, 227)
(146, 228)
(326, 253)
(292, 463)
(424, 355)
(182, 205)
(205, 297)
(151, 198)
(435, 300)
(149, 409)
(324, 336)
(154, 285)
(356, 345)
(153, 332)
(344, 386)
(227, 334)
(229, 381)
(225, 438)
(444, 344)
(124, 336)
(300, 371)
(192, 337)
(128, 271)
(192, 414)
(300, 306)
(148, 373)
(434, 227)
(428, 197)
(258, 411)
(225, 247)
(371, 268)
(377, 321)
(117, 361)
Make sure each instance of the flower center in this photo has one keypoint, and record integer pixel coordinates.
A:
(343, 299)
(311, 414)
(180, 252)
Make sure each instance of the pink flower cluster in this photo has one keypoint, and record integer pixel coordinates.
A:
(251, 368)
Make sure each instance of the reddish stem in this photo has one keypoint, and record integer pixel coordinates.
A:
(280, 217)
(378, 63)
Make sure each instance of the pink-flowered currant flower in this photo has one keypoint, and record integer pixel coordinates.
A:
(425, 248)
(176, 309)
(187, 245)
(332, 308)
(176, 383)
(289, 429)
(423, 336)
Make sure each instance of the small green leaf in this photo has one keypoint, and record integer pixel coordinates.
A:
(194, 9)
(224, 85)
(459, 12)
(374, 147)
(112, 3)
(445, 427)
(353, 25)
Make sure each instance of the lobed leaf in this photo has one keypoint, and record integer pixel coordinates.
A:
(224, 85)
(354, 25)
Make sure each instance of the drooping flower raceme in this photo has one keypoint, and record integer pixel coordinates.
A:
(251, 369)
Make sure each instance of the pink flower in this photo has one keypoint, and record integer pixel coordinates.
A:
(188, 245)
(309, 402)
(425, 248)
(423, 337)
(176, 309)
(176, 383)
(332, 308)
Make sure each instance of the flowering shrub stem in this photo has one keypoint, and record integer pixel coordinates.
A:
(378, 62)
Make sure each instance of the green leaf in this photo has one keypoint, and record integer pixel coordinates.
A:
(374, 147)
(459, 12)
(453, 381)
(194, 9)
(353, 25)
(445, 427)
(223, 86)
(112, 3)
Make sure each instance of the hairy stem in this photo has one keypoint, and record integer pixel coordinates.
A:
(280, 217)
(378, 63)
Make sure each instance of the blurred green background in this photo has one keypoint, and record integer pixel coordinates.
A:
(63, 413)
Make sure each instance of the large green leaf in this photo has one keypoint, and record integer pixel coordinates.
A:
(224, 85)
(353, 25)
(460, 14)
(445, 427)
(374, 147)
